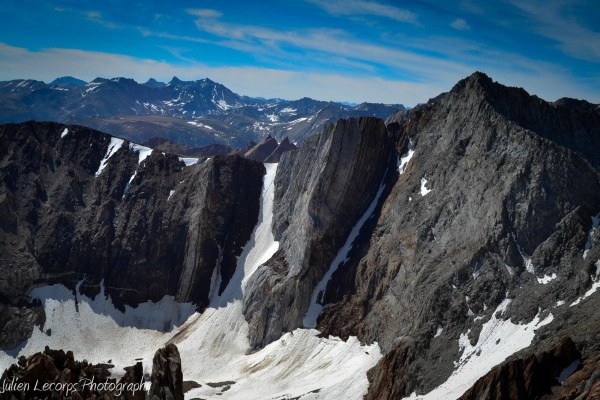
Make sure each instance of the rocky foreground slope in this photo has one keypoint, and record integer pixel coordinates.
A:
(457, 235)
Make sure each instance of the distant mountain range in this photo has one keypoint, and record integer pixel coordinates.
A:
(193, 113)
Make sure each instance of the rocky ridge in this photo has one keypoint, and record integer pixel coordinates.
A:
(193, 113)
(141, 222)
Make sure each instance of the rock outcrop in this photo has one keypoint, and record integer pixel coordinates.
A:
(167, 378)
(53, 374)
(529, 378)
(320, 192)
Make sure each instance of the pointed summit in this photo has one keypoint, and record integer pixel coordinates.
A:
(153, 83)
(174, 81)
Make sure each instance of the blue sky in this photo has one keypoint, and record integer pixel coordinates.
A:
(343, 50)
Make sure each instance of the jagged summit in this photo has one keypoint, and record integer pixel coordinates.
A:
(174, 81)
(578, 104)
(153, 83)
(194, 113)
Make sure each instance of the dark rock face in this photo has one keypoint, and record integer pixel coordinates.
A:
(283, 147)
(167, 378)
(262, 150)
(147, 229)
(320, 192)
(527, 378)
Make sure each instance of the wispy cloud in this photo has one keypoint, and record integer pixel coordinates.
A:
(365, 8)
(204, 12)
(47, 64)
(460, 24)
(96, 17)
(553, 19)
(328, 43)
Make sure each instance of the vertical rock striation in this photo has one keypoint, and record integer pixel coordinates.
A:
(320, 192)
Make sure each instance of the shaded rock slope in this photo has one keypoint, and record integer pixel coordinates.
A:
(321, 190)
(460, 236)
(268, 150)
(144, 229)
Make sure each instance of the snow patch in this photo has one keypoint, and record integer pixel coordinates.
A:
(310, 319)
(222, 104)
(200, 125)
(128, 184)
(588, 244)
(273, 117)
(170, 194)
(546, 279)
(405, 158)
(288, 110)
(528, 263)
(424, 190)
(188, 160)
(142, 151)
(262, 245)
(114, 145)
(498, 340)
(439, 331)
(64, 133)
(592, 290)
(95, 330)
(213, 345)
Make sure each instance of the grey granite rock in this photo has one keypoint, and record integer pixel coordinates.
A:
(321, 190)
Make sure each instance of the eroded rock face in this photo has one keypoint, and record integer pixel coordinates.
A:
(492, 204)
(527, 378)
(167, 378)
(145, 229)
(320, 192)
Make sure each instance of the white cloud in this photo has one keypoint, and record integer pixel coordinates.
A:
(553, 19)
(360, 7)
(460, 24)
(325, 44)
(204, 12)
(47, 64)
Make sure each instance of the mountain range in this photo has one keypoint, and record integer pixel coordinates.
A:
(193, 113)
(450, 251)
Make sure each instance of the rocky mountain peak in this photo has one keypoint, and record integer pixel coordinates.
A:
(68, 82)
(174, 81)
(153, 83)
